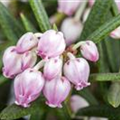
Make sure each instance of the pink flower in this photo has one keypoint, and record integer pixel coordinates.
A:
(77, 71)
(15, 63)
(56, 91)
(71, 29)
(68, 7)
(115, 33)
(26, 42)
(51, 44)
(52, 68)
(27, 87)
(77, 102)
(89, 51)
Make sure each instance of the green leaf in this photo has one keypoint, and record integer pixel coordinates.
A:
(105, 29)
(9, 24)
(27, 24)
(40, 113)
(40, 14)
(96, 17)
(114, 94)
(100, 111)
(86, 93)
(102, 77)
(63, 113)
(14, 112)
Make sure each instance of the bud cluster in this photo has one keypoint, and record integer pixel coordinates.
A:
(51, 75)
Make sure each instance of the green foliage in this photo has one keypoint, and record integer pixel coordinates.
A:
(102, 77)
(40, 15)
(27, 24)
(100, 111)
(14, 112)
(9, 24)
(114, 94)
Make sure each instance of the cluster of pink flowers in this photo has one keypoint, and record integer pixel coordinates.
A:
(55, 81)
(58, 67)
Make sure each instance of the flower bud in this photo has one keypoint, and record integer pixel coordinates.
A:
(115, 33)
(89, 51)
(56, 91)
(71, 29)
(15, 63)
(52, 68)
(11, 62)
(77, 71)
(68, 7)
(51, 44)
(26, 42)
(27, 87)
(77, 102)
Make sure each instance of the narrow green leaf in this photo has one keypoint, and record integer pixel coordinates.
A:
(100, 111)
(27, 24)
(14, 112)
(102, 77)
(96, 17)
(40, 14)
(114, 94)
(105, 29)
(9, 24)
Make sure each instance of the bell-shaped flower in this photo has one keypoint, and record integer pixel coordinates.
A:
(51, 44)
(68, 7)
(15, 63)
(52, 68)
(71, 29)
(77, 72)
(28, 86)
(89, 51)
(56, 91)
(27, 42)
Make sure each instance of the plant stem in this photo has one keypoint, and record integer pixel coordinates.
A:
(77, 45)
(39, 65)
(80, 10)
(70, 55)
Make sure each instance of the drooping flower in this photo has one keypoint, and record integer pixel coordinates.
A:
(68, 7)
(77, 71)
(26, 42)
(52, 68)
(28, 86)
(56, 91)
(89, 51)
(51, 44)
(71, 29)
(15, 63)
